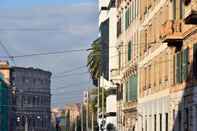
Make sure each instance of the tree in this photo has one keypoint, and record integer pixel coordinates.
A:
(94, 61)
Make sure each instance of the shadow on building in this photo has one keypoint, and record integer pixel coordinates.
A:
(183, 95)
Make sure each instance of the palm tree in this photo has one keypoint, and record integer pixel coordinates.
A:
(94, 60)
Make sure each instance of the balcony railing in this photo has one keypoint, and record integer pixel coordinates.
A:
(190, 12)
(131, 105)
(171, 32)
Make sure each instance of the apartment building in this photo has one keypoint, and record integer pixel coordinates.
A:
(167, 47)
(127, 42)
(156, 42)
(109, 63)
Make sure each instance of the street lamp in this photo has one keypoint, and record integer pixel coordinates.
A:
(38, 117)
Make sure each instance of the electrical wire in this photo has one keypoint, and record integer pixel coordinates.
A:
(7, 52)
(69, 75)
(71, 70)
(46, 53)
(68, 51)
(68, 86)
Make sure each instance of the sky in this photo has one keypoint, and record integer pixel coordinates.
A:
(34, 26)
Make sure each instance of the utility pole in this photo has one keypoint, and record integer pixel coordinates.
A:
(87, 111)
(82, 117)
(98, 101)
(92, 121)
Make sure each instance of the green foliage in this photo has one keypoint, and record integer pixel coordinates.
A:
(94, 59)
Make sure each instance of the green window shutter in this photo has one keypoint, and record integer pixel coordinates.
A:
(129, 51)
(129, 89)
(185, 61)
(126, 91)
(127, 19)
(134, 87)
(178, 68)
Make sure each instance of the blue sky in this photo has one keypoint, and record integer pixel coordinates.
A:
(75, 26)
(25, 3)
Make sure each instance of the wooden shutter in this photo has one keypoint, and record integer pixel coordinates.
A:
(185, 64)
(129, 51)
(130, 89)
(134, 87)
(178, 67)
(126, 91)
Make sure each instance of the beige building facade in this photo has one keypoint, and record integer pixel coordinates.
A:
(127, 37)
(157, 44)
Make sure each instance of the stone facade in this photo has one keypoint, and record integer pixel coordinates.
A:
(127, 38)
(33, 98)
(162, 34)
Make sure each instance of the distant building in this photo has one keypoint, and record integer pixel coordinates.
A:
(58, 119)
(33, 98)
(7, 99)
(72, 112)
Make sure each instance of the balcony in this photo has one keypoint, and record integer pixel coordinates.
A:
(171, 32)
(130, 106)
(190, 12)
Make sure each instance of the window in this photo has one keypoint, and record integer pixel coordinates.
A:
(146, 125)
(167, 122)
(177, 9)
(155, 122)
(178, 67)
(186, 123)
(182, 65)
(129, 51)
(179, 120)
(132, 87)
(119, 59)
(174, 9)
(119, 30)
(127, 18)
(126, 91)
(185, 64)
(160, 121)
(195, 61)
(174, 115)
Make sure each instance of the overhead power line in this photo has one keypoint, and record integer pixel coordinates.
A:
(7, 52)
(45, 53)
(71, 70)
(64, 51)
(71, 85)
(68, 75)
